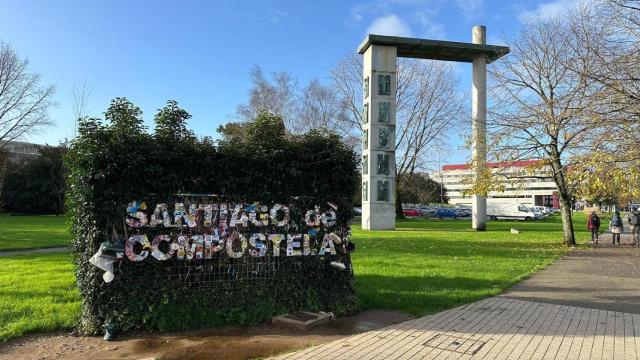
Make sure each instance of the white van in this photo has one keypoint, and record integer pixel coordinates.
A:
(497, 211)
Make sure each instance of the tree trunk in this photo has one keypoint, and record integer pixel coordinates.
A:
(567, 223)
(568, 236)
(399, 213)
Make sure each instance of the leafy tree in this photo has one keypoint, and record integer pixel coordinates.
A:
(124, 117)
(419, 188)
(171, 123)
(603, 180)
(233, 131)
(37, 185)
(266, 128)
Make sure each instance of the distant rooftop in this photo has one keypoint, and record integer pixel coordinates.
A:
(18, 150)
(502, 164)
(434, 49)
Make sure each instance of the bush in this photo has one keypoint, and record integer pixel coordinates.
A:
(110, 165)
(35, 185)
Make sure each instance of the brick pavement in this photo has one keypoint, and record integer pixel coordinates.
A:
(585, 306)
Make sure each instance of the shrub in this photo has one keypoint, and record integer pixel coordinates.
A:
(110, 165)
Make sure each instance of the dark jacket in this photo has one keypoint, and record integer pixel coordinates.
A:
(591, 224)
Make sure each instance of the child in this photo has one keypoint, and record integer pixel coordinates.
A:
(593, 224)
(616, 227)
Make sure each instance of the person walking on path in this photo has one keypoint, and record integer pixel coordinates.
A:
(634, 221)
(593, 224)
(616, 226)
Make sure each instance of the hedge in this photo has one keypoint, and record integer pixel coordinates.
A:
(110, 165)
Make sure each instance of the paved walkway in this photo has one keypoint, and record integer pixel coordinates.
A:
(571, 310)
(34, 251)
(603, 278)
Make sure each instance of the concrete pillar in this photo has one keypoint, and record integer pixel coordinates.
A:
(378, 138)
(479, 126)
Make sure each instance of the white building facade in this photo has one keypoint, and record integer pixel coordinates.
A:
(524, 183)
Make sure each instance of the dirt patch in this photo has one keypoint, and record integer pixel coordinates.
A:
(226, 343)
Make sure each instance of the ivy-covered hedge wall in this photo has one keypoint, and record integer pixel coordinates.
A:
(112, 164)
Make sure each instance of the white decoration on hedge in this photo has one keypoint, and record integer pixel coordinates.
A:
(294, 242)
(276, 239)
(274, 215)
(257, 242)
(155, 248)
(137, 239)
(243, 245)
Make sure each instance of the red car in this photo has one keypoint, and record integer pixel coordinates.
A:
(411, 212)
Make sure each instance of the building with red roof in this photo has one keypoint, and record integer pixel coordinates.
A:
(526, 182)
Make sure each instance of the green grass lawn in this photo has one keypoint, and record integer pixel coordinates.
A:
(423, 267)
(37, 293)
(32, 232)
(427, 266)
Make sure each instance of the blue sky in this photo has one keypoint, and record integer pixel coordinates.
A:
(200, 52)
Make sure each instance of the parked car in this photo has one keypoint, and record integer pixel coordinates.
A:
(442, 213)
(462, 212)
(537, 212)
(412, 212)
(357, 210)
(427, 211)
(543, 209)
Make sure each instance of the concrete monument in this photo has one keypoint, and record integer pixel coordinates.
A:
(379, 115)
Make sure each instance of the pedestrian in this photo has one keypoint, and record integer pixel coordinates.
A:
(634, 221)
(616, 227)
(593, 224)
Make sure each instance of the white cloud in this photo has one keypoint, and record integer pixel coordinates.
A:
(470, 8)
(430, 29)
(548, 10)
(434, 31)
(389, 25)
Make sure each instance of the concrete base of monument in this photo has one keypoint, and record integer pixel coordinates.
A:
(380, 216)
(302, 320)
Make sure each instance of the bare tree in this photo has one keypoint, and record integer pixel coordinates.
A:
(79, 97)
(607, 44)
(320, 107)
(543, 108)
(346, 80)
(428, 106)
(24, 102)
(277, 95)
(608, 33)
(302, 109)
